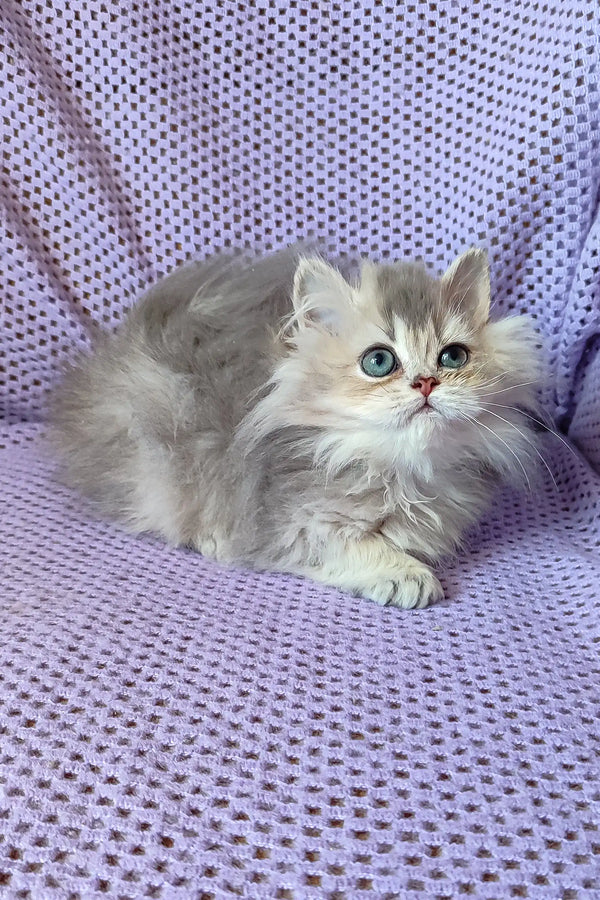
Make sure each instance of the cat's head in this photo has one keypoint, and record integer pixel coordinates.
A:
(404, 360)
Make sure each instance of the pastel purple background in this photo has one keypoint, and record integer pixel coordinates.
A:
(169, 728)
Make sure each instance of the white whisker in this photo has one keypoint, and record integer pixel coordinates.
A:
(525, 438)
(511, 387)
(545, 425)
(502, 441)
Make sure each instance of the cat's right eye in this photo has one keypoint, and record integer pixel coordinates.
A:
(378, 362)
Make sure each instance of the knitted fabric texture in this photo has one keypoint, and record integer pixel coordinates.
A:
(170, 728)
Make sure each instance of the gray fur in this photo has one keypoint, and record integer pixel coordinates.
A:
(206, 421)
(414, 297)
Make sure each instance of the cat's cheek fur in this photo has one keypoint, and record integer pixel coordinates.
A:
(513, 350)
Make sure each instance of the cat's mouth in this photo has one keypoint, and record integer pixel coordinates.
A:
(424, 409)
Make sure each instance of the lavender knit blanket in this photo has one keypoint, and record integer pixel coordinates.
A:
(173, 729)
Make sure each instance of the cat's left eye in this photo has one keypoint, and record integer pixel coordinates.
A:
(455, 356)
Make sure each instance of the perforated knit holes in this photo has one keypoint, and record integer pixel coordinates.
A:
(137, 138)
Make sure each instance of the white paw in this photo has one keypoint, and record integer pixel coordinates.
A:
(207, 546)
(211, 546)
(413, 589)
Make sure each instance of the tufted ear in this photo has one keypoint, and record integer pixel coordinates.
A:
(321, 295)
(466, 286)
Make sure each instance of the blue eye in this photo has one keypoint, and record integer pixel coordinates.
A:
(453, 357)
(378, 362)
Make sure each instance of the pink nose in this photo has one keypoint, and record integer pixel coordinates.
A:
(425, 385)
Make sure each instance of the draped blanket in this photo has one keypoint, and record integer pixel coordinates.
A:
(170, 728)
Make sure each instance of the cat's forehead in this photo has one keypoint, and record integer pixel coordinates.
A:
(403, 292)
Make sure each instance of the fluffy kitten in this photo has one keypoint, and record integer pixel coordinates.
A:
(353, 441)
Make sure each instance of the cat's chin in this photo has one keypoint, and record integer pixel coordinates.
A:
(429, 427)
(421, 428)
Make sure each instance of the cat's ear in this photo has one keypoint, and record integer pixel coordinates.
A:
(466, 286)
(320, 295)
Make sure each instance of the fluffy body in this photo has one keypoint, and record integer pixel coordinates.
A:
(230, 413)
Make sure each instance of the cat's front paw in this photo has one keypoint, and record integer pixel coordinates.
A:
(377, 571)
(413, 589)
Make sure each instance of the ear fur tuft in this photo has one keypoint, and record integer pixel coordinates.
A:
(320, 294)
(466, 285)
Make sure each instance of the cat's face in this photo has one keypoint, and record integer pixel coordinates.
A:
(405, 356)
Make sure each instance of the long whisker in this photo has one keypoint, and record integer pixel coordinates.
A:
(502, 441)
(509, 388)
(545, 425)
(530, 442)
(497, 379)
